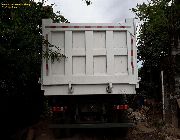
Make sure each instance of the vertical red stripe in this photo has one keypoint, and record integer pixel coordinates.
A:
(131, 52)
(131, 40)
(47, 67)
(132, 65)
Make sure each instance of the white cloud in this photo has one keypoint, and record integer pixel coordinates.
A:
(99, 11)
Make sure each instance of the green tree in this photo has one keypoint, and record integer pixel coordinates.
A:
(157, 36)
(20, 60)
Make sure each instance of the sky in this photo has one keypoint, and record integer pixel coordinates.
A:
(100, 11)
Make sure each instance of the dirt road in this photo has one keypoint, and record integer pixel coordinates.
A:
(142, 131)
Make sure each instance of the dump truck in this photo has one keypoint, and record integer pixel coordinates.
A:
(88, 87)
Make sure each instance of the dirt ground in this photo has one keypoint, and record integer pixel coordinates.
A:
(142, 131)
(147, 127)
(150, 126)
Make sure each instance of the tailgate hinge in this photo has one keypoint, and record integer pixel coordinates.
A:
(109, 88)
(70, 88)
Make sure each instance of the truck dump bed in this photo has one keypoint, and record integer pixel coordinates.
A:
(101, 59)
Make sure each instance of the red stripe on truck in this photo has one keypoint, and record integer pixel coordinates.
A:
(132, 41)
(87, 26)
(76, 26)
(47, 67)
(65, 26)
(110, 26)
(125, 26)
(132, 65)
(50, 26)
(131, 52)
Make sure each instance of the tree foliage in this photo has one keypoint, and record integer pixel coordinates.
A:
(88, 2)
(158, 34)
(20, 60)
(21, 43)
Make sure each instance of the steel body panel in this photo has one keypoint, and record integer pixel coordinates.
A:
(97, 54)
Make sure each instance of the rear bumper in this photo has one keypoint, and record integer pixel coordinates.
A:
(94, 125)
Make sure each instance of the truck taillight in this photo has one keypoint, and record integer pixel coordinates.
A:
(59, 109)
(120, 107)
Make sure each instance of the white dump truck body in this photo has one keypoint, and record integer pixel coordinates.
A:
(101, 58)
